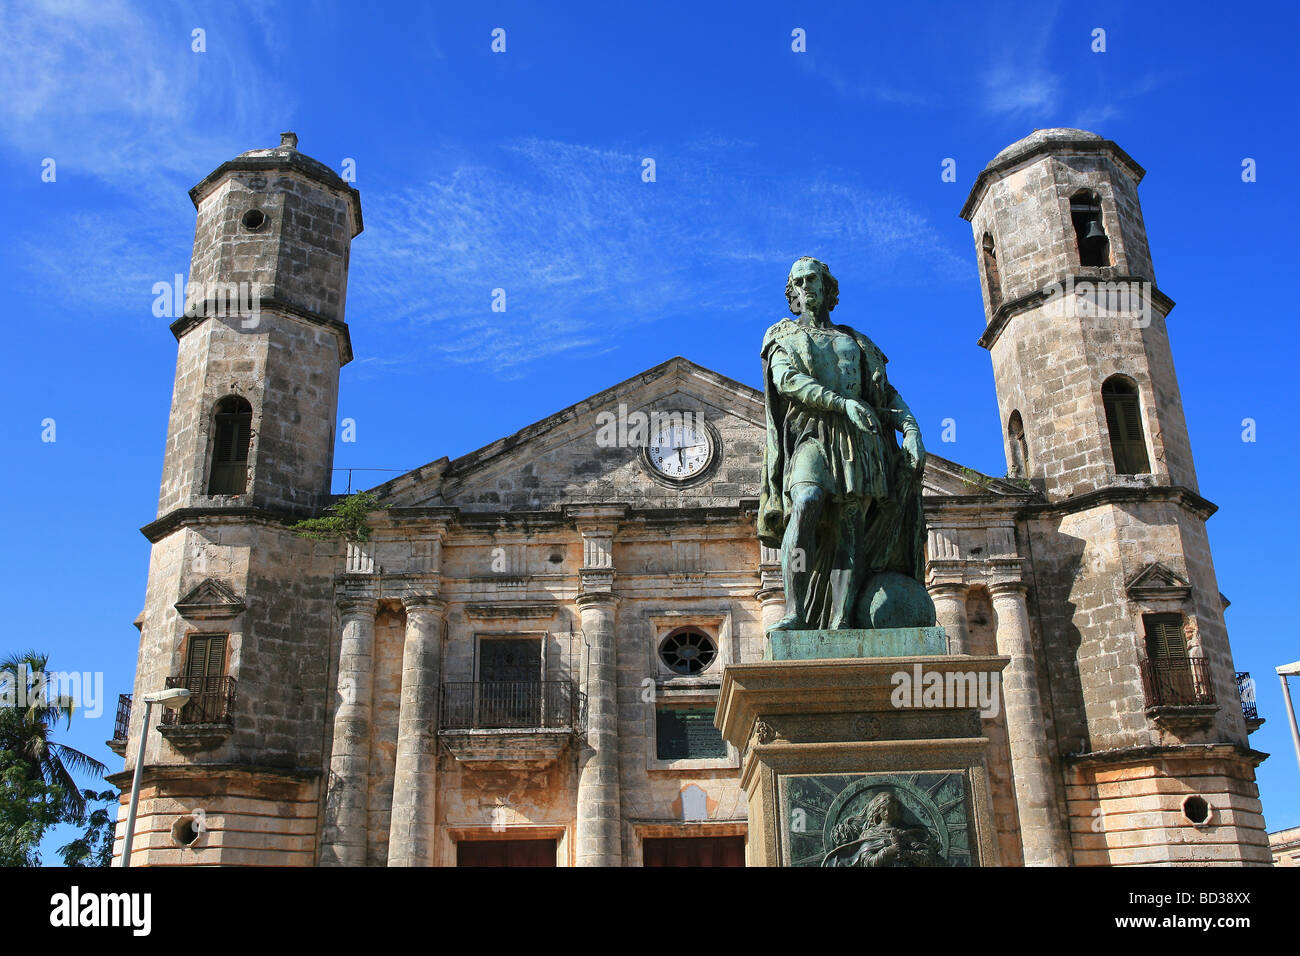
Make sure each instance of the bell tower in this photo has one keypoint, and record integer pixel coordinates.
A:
(1130, 640)
(263, 337)
(1075, 323)
(239, 609)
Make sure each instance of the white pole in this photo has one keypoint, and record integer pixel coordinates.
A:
(135, 785)
(1290, 712)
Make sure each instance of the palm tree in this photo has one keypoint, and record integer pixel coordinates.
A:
(26, 732)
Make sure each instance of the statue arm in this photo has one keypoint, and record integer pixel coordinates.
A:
(900, 415)
(801, 388)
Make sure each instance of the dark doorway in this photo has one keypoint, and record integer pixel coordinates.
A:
(505, 853)
(694, 851)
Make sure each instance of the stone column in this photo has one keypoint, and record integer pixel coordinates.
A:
(599, 836)
(344, 836)
(411, 829)
(1042, 834)
(950, 612)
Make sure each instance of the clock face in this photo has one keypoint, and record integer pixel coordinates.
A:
(680, 451)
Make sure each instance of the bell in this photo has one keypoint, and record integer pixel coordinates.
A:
(1095, 231)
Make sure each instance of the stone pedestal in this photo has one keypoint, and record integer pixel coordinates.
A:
(830, 745)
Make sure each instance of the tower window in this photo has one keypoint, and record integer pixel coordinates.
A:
(1128, 447)
(992, 279)
(253, 220)
(1094, 246)
(234, 425)
(1019, 448)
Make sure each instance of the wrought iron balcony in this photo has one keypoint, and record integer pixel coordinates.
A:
(122, 724)
(499, 705)
(212, 701)
(1178, 682)
(1246, 691)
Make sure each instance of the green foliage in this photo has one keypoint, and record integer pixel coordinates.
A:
(346, 519)
(37, 788)
(28, 807)
(95, 846)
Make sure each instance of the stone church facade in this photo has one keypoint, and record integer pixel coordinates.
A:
(520, 665)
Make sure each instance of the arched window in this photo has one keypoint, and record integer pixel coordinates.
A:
(1128, 446)
(1089, 233)
(1019, 448)
(233, 429)
(992, 279)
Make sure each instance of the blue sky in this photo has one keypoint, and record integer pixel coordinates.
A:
(522, 171)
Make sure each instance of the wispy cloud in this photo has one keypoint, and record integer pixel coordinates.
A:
(584, 249)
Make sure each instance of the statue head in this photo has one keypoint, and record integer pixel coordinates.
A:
(810, 285)
(884, 809)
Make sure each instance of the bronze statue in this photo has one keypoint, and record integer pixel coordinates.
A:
(839, 497)
(875, 838)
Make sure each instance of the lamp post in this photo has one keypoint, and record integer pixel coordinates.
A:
(1283, 672)
(173, 698)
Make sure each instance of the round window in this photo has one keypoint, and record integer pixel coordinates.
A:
(253, 219)
(688, 652)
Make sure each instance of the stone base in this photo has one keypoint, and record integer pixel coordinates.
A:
(784, 645)
(823, 740)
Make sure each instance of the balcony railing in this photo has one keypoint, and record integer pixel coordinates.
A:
(1246, 691)
(496, 705)
(1181, 682)
(122, 724)
(212, 701)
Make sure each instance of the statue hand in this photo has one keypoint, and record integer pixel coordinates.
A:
(862, 416)
(914, 451)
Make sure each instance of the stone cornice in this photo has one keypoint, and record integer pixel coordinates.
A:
(1122, 755)
(156, 530)
(1007, 310)
(154, 773)
(270, 304)
(1119, 494)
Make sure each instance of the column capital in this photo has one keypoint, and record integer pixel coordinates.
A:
(1007, 588)
(944, 586)
(423, 601)
(773, 593)
(596, 599)
(352, 603)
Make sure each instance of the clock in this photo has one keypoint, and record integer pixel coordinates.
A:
(681, 450)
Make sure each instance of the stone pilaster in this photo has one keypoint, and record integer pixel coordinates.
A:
(344, 836)
(1043, 836)
(771, 592)
(411, 829)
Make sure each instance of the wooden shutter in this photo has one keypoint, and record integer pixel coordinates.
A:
(234, 429)
(207, 657)
(1124, 422)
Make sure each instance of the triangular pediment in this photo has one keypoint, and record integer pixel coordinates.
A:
(947, 479)
(210, 599)
(575, 456)
(1155, 581)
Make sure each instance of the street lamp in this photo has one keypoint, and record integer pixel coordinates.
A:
(173, 698)
(1283, 672)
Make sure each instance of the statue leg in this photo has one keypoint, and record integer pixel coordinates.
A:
(850, 564)
(797, 548)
